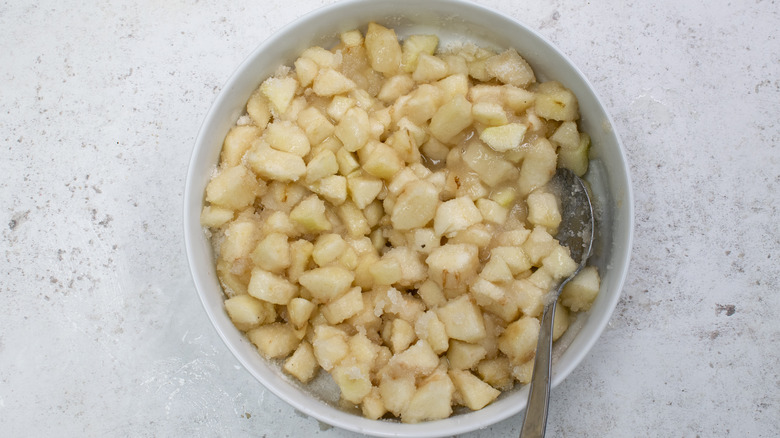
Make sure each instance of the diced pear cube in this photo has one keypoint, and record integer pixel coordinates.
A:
(327, 283)
(339, 106)
(538, 166)
(272, 253)
(538, 245)
(279, 92)
(478, 69)
(329, 345)
(363, 189)
(302, 364)
(321, 165)
(475, 393)
(328, 248)
(452, 266)
(383, 162)
(429, 327)
(362, 349)
(413, 270)
(555, 102)
(372, 406)
(247, 312)
(491, 167)
(333, 188)
(519, 339)
(496, 270)
(523, 372)
(456, 64)
(329, 82)
(234, 188)
(258, 109)
(434, 149)
(353, 129)
(451, 118)
(316, 126)
(453, 85)
(415, 207)
(420, 105)
(543, 210)
(402, 142)
(463, 355)
(504, 196)
(275, 165)
(237, 141)
(310, 215)
(566, 136)
(542, 278)
(431, 293)
(286, 136)
(386, 272)
(429, 68)
(560, 322)
(510, 68)
(489, 113)
(232, 283)
(397, 392)
(323, 57)
(517, 99)
(431, 401)
(401, 335)
(514, 257)
(579, 293)
(514, 237)
(299, 310)
(214, 217)
(401, 179)
(279, 222)
(306, 70)
(240, 239)
(455, 215)
(269, 287)
(462, 318)
(414, 46)
(283, 196)
(395, 87)
(505, 137)
(383, 50)
(529, 297)
(486, 94)
(274, 340)
(354, 380)
(351, 38)
(353, 218)
(346, 161)
(300, 254)
(496, 372)
(576, 159)
(492, 211)
(344, 306)
(423, 240)
(349, 259)
(419, 360)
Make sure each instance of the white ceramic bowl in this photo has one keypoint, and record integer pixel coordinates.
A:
(451, 20)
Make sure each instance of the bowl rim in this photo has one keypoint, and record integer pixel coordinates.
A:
(321, 410)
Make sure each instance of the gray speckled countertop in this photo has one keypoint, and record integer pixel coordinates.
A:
(102, 334)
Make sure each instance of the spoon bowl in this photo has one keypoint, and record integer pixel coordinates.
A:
(575, 232)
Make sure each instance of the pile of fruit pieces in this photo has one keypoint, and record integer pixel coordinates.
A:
(381, 213)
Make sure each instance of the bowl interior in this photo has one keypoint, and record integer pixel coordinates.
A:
(453, 21)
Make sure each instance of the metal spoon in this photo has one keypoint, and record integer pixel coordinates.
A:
(575, 232)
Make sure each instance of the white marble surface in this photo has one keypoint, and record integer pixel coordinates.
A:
(101, 331)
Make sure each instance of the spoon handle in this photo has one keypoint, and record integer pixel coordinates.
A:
(535, 420)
